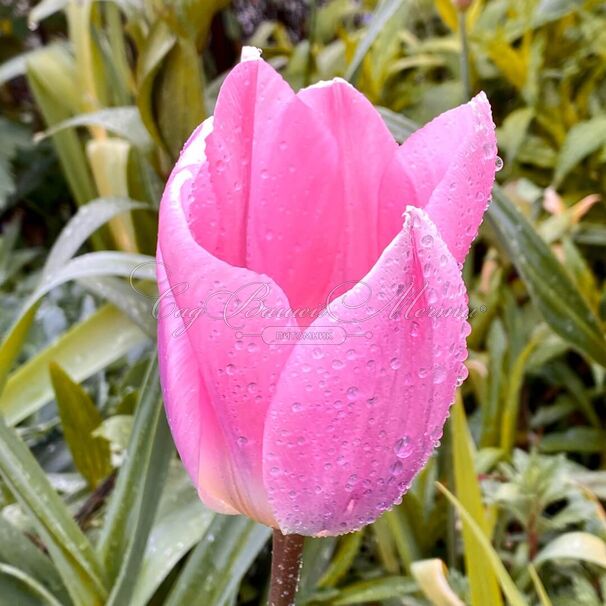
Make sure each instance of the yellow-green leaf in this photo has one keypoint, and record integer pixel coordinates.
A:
(514, 597)
(483, 583)
(79, 418)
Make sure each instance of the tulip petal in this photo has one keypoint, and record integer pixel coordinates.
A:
(352, 423)
(314, 193)
(248, 107)
(295, 228)
(219, 379)
(447, 167)
(365, 147)
(193, 422)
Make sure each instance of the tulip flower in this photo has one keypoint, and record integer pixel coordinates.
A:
(312, 314)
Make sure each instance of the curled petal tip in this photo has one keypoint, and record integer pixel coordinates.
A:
(250, 53)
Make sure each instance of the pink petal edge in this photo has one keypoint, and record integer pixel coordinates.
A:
(446, 167)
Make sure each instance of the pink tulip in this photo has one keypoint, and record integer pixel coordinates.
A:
(309, 196)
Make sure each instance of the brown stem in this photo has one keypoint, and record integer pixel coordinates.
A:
(285, 568)
(95, 501)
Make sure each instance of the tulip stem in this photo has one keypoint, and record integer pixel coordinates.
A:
(465, 75)
(287, 551)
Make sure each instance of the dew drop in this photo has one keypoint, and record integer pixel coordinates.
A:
(439, 374)
(403, 447)
(498, 164)
(414, 329)
(395, 363)
(427, 240)
(352, 393)
(397, 468)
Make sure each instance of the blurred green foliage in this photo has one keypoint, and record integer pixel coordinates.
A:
(95, 509)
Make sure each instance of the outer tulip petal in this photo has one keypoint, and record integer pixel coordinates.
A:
(350, 425)
(225, 407)
(191, 416)
(446, 167)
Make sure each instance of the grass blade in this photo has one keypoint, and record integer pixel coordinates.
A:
(217, 565)
(514, 597)
(68, 547)
(382, 14)
(550, 287)
(483, 584)
(135, 499)
(29, 387)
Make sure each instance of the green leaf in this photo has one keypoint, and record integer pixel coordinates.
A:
(68, 547)
(513, 595)
(381, 15)
(134, 300)
(17, 66)
(79, 418)
(574, 546)
(538, 585)
(158, 43)
(29, 388)
(373, 591)
(342, 560)
(550, 287)
(52, 78)
(402, 531)
(33, 586)
(179, 95)
(135, 499)
(181, 522)
(514, 130)
(576, 439)
(317, 554)
(509, 421)
(123, 121)
(19, 551)
(84, 223)
(483, 583)
(582, 140)
(216, 566)
(13, 136)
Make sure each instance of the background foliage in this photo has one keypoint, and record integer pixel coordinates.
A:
(97, 99)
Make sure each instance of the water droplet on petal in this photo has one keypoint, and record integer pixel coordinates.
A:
(397, 468)
(439, 374)
(403, 447)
